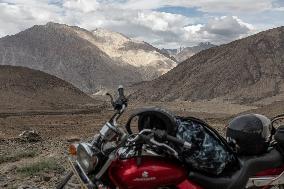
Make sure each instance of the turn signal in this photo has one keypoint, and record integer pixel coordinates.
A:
(73, 149)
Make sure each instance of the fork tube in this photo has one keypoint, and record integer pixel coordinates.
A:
(106, 165)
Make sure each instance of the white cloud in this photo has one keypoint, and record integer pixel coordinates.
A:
(228, 26)
(193, 29)
(219, 30)
(231, 6)
(81, 5)
(279, 9)
(161, 21)
(17, 17)
(137, 18)
(205, 5)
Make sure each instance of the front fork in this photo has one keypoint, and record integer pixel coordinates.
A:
(84, 180)
(65, 180)
(81, 175)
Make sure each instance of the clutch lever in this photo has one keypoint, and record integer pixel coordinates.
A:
(153, 141)
(162, 135)
(149, 139)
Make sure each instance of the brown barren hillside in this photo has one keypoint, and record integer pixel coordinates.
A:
(24, 89)
(89, 60)
(244, 71)
(59, 50)
(190, 51)
(149, 61)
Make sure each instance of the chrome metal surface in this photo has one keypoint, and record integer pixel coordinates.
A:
(118, 115)
(86, 158)
(137, 135)
(106, 165)
(266, 180)
(84, 175)
(77, 174)
(165, 146)
(108, 132)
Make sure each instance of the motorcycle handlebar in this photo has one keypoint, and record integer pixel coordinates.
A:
(149, 139)
(119, 104)
(120, 91)
(121, 101)
(161, 134)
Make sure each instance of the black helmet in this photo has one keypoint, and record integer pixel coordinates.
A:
(251, 133)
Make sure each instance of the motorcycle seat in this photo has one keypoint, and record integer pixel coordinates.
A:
(249, 166)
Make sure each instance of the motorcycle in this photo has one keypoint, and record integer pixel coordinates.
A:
(116, 158)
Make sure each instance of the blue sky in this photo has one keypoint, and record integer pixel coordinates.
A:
(163, 23)
(185, 11)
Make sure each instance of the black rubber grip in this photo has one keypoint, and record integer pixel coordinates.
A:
(161, 134)
(175, 140)
(120, 91)
(145, 138)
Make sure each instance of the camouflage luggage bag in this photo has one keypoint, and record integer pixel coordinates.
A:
(211, 154)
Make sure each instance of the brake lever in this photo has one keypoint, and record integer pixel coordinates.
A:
(111, 99)
(160, 144)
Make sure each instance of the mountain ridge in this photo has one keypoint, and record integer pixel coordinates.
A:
(148, 60)
(188, 52)
(243, 71)
(183, 53)
(25, 89)
(69, 53)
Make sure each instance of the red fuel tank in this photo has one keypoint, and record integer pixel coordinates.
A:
(152, 173)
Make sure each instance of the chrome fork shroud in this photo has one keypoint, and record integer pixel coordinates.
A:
(84, 180)
(266, 180)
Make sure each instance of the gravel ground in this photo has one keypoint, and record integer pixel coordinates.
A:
(42, 164)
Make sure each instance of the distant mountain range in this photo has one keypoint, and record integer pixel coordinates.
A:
(243, 71)
(183, 53)
(90, 60)
(148, 60)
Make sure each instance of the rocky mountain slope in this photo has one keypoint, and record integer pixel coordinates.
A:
(170, 52)
(148, 60)
(245, 71)
(184, 53)
(188, 52)
(24, 89)
(75, 55)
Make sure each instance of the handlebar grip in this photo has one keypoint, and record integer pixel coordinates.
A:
(120, 91)
(145, 138)
(163, 135)
(174, 140)
(183, 143)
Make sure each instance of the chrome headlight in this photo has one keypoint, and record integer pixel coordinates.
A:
(86, 158)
